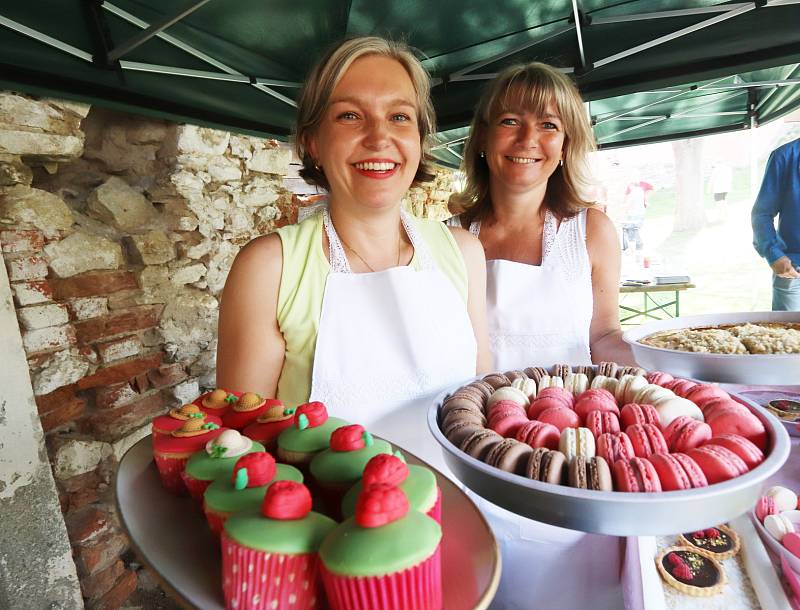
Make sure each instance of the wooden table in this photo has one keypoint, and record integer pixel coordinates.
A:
(652, 306)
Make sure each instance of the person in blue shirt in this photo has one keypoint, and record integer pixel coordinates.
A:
(780, 196)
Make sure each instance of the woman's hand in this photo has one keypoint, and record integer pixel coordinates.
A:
(251, 348)
(475, 261)
(605, 333)
(783, 268)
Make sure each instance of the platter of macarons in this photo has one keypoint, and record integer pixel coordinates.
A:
(609, 449)
(777, 520)
(696, 362)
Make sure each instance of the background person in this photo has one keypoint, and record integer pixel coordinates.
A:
(360, 306)
(780, 196)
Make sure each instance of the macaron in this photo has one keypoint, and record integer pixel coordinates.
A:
(602, 382)
(681, 387)
(516, 375)
(636, 475)
(677, 471)
(791, 542)
(547, 466)
(526, 386)
(509, 455)
(539, 434)
(750, 454)
(507, 420)
(479, 442)
(785, 498)
(650, 393)
(577, 442)
(778, 525)
(686, 433)
(457, 431)
(608, 369)
(560, 417)
(627, 388)
(633, 413)
(592, 473)
(658, 377)
(595, 400)
(549, 381)
(557, 392)
(646, 440)
(602, 422)
(704, 392)
(536, 373)
(541, 403)
(576, 383)
(717, 463)
(461, 403)
(463, 415)
(615, 446)
(765, 506)
(671, 407)
(497, 380)
(508, 393)
(728, 421)
(561, 370)
(722, 404)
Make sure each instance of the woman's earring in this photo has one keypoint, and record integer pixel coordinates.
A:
(561, 163)
(482, 154)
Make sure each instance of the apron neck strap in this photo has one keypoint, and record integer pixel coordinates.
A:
(549, 232)
(338, 258)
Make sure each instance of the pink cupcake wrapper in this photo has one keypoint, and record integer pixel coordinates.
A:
(170, 470)
(435, 512)
(216, 521)
(416, 588)
(195, 487)
(256, 580)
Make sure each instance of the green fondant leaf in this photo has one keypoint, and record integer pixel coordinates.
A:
(399, 455)
(230, 398)
(241, 479)
(302, 421)
(210, 426)
(368, 440)
(289, 411)
(218, 451)
(196, 415)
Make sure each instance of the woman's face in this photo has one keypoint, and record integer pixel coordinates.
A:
(368, 143)
(524, 149)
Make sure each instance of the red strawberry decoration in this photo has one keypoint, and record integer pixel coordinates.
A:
(385, 468)
(699, 534)
(350, 438)
(253, 470)
(380, 504)
(311, 415)
(712, 532)
(680, 567)
(286, 501)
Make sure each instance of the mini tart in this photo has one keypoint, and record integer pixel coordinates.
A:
(420, 489)
(707, 574)
(721, 541)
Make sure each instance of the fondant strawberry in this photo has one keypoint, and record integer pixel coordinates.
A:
(385, 468)
(380, 504)
(311, 415)
(350, 438)
(286, 501)
(253, 470)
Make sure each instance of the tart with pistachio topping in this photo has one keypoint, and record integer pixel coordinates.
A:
(691, 570)
(721, 541)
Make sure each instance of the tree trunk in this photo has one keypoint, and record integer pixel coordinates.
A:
(689, 206)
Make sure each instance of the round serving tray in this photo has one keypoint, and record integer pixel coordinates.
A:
(612, 512)
(171, 536)
(754, 369)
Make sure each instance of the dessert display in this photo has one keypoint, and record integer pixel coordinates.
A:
(610, 428)
(785, 409)
(385, 553)
(270, 554)
(747, 338)
(691, 570)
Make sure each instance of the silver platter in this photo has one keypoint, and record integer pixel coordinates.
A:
(755, 369)
(612, 512)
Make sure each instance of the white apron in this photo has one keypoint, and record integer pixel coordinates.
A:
(388, 343)
(540, 316)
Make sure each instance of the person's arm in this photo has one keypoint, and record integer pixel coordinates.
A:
(251, 348)
(766, 207)
(605, 333)
(475, 261)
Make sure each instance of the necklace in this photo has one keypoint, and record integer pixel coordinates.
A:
(361, 258)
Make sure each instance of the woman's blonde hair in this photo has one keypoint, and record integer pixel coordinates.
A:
(322, 80)
(531, 88)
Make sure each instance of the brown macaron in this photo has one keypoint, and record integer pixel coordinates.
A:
(458, 431)
(472, 394)
(463, 415)
(577, 472)
(460, 402)
(609, 369)
(514, 375)
(480, 442)
(484, 388)
(536, 373)
(509, 455)
(561, 370)
(598, 474)
(630, 370)
(586, 370)
(497, 380)
(546, 465)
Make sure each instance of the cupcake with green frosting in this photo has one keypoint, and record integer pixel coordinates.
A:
(217, 461)
(336, 469)
(417, 482)
(310, 434)
(270, 554)
(386, 552)
(245, 488)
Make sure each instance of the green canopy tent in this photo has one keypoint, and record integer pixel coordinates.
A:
(649, 69)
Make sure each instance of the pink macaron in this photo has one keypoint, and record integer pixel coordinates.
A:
(556, 392)
(602, 422)
(614, 447)
(680, 387)
(595, 400)
(713, 405)
(750, 454)
(542, 403)
(734, 421)
(539, 434)
(704, 392)
(686, 433)
(658, 377)
(646, 439)
(791, 542)
(636, 475)
(718, 463)
(677, 471)
(505, 407)
(766, 506)
(633, 413)
(561, 417)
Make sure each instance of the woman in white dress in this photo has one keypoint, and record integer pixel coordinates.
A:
(553, 266)
(360, 306)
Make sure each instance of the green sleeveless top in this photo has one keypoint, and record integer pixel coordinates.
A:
(305, 270)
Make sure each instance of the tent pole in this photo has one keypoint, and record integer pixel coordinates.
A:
(44, 38)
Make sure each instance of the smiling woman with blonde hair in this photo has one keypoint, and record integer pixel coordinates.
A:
(360, 306)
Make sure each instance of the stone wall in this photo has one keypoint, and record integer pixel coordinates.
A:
(117, 234)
